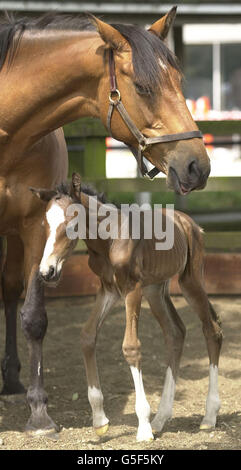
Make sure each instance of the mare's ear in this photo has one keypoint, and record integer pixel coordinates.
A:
(109, 34)
(76, 186)
(44, 194)
(161, 27)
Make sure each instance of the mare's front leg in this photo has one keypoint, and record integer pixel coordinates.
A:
(104, 302)
(34, 324)
(131, 350)
(12, 287)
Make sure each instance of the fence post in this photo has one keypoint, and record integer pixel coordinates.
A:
(91, 134)
(94, 157)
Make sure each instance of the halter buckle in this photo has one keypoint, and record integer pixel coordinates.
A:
(117, 98)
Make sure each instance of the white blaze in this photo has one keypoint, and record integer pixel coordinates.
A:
(55, 217)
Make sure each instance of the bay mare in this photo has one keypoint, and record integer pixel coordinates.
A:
(133, 268)
(54, 70)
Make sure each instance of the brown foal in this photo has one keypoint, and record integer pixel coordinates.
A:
(131, 268)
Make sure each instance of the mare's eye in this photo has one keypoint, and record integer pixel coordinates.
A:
(142, 90)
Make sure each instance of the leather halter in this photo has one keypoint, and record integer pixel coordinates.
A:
(144, 142)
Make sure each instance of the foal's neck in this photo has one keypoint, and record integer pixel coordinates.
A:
(93, 241)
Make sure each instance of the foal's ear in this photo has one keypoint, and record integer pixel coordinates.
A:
(76, 186)
(44, 194)
(161, 27)
(108, 33)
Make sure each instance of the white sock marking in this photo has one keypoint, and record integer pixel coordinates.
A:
(96, 399)
(213, 402)
(144, 432)
(55, 216)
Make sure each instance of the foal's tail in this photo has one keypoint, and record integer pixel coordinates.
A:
(191, 280)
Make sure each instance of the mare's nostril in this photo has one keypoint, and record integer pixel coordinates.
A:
(193, 169)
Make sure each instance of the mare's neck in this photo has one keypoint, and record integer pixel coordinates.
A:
(53, 80)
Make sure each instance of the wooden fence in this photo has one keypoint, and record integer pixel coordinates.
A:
(223, 257)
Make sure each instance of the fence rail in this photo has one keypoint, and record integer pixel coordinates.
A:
(135, 185)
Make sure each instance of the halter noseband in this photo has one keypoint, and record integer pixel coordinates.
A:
(144, 142)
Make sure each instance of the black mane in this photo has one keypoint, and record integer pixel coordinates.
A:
(147, 52)
(65, 190)
(12, 29)
(147, 49)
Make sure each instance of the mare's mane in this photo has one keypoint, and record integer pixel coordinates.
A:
(150, 55)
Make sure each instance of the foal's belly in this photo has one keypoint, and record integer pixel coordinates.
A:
(161, 265)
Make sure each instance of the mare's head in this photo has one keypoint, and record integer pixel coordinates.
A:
(58, 245)
(149, 81)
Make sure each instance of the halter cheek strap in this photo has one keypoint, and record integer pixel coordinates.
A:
(144, 142)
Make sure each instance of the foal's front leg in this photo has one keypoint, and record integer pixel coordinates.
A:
(131, 351)
(104, 302)
(34, 324)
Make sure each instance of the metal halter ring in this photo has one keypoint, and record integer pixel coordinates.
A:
(143, 145)
(118, 98)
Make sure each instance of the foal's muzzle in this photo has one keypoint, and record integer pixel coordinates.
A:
(51, 276)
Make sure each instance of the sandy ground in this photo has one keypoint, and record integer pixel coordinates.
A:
(66, 384)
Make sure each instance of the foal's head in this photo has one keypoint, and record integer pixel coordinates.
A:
(58, 245)
(149, 81)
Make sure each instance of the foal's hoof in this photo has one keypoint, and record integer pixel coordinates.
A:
(206, 427)
(208, 423)
(144, 433)
(102, 430)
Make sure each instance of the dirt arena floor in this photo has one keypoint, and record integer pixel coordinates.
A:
(66, 384)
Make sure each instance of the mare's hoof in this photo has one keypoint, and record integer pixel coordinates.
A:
(51, 434)
(15, 388)
(19, 398)
(41, 424)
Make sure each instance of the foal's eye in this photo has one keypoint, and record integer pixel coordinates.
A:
(141, 89)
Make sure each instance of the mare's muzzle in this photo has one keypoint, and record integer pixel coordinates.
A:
(189, 178)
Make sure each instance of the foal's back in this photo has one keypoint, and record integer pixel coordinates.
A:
(143, 261)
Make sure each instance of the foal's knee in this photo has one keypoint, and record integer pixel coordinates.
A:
(34, 322)
(132, 353)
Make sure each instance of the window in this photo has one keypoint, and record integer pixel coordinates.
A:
(231, 76)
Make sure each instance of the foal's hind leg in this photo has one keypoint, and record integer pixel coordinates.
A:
(174, 335)
(12, 286)
(104, 302)
(197, 298)
(131, 350)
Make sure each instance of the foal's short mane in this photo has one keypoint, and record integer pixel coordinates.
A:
(65, 190)
(148, 51)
